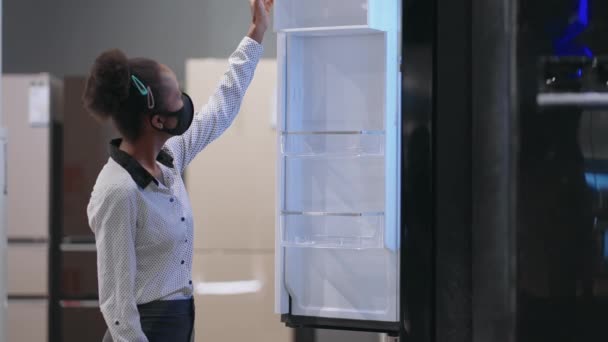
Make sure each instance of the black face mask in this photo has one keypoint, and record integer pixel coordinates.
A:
(184, 117)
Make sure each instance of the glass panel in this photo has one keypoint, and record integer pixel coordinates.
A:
(292, 14)
(336, 83)
(335, 231)
(334, 185)
(364, 144)
(342, 283)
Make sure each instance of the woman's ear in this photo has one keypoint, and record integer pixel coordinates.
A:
(158, 121)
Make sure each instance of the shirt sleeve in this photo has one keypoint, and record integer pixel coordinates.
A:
(222, 107)
(112, 217)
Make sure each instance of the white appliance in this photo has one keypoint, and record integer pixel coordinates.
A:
(339, 146)
(29, 102)
(3, 300)
(3, 264)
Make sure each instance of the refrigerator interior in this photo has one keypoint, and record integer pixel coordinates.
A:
(339, 160)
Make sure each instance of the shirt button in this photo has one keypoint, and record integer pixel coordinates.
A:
(183, 262)
(171, 200)
(183, 219)
(186, 240)
(190, 282)
(117, 323)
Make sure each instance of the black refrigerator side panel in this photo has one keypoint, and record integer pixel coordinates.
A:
(493, 172)
(416, 307)
(452, 172)
(56, 222)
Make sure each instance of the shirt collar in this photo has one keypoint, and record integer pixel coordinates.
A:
(139, 174)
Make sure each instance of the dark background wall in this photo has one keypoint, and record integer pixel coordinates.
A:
(63, 37)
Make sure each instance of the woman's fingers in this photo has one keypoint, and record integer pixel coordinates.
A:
(261, 7)
(259, 4)
(268, 4)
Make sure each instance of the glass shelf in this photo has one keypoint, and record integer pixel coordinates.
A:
(332, 230)
(326, 144)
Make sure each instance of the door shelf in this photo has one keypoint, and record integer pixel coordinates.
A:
(295, 15)
(332, 230)
(345, 184)
(351, 30)
(326, 144)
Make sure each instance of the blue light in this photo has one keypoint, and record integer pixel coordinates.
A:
(583, 12)
(565, 45)
(597, 181)
(587, 51)
(578, 74)
(590, 180)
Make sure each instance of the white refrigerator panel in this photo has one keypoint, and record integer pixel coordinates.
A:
(294, 14)
(304, 16)
(339, 156)
(28, 158)
(3, 243)
(232, 198)
(28, 270)
(343, 283)
(27, 321)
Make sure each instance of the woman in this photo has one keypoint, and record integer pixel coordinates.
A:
(139, 209)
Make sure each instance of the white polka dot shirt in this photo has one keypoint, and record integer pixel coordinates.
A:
(143, 228)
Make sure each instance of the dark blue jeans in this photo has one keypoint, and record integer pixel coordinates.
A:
(166, 321)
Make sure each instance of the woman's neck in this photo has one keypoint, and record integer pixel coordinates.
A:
(145, 151)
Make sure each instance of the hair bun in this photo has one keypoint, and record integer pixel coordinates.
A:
(109, 83)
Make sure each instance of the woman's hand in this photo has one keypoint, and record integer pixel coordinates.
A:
(260, 10)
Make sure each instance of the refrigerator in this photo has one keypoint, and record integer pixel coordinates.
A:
(79, 152)
(56, 149)
(498, 229)
(523, 258)
(30, 104)
(339, 143)
(233, 267)
(3, 243)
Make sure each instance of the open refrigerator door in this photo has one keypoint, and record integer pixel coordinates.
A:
(339, 146)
